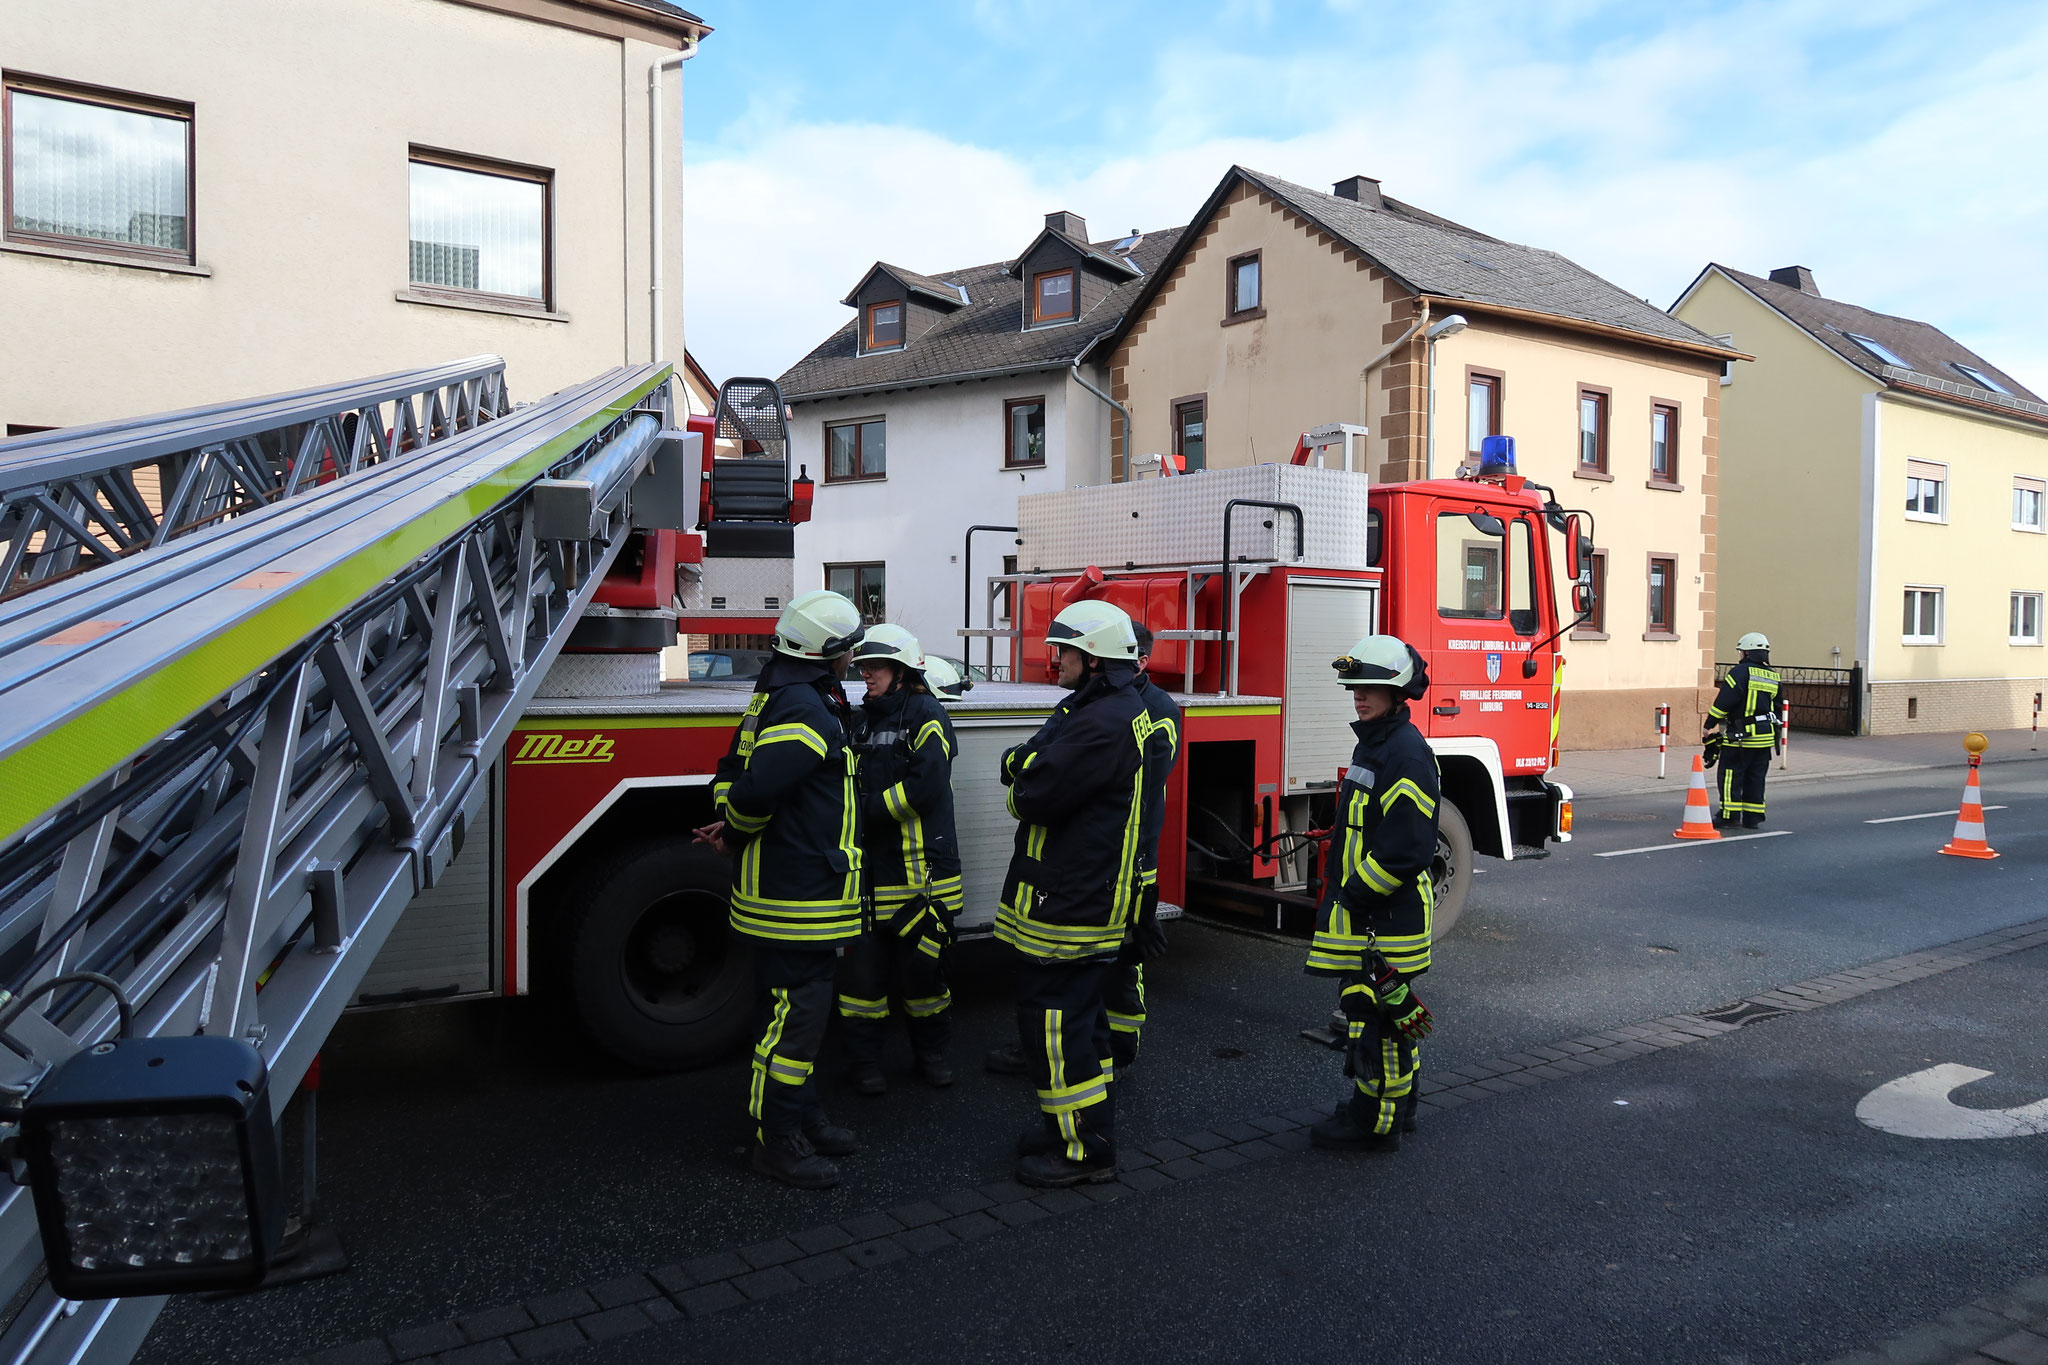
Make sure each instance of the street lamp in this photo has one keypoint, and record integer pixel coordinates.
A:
(1450, 326)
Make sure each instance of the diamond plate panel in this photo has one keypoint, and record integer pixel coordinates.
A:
(750, 586)
(603, 675)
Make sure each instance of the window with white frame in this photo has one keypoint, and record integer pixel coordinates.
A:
(2024, 619)
(1926, 491)
(2027, 498)
(1923, 616)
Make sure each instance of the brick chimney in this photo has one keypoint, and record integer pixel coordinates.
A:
(1360, 189)
(1073, 224)
(1795, 277)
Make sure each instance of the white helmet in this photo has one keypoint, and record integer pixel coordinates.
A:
(1383, 661)
(944, 679)
(1754, 640)
(891, 643)
(817, 625)
(1096, 628)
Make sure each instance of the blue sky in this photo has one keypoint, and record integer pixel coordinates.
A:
(1893, 146)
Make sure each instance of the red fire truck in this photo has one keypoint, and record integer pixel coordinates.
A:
(589, 886)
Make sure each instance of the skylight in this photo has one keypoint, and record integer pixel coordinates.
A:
(1979, 378)
(1882, 352)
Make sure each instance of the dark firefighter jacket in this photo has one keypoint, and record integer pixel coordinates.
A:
(786, 792)
(1377, 878)
(1076, 788)
(1747, 706)
(905, 746)
(1162, 751)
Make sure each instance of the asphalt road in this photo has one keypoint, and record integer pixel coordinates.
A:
(1732, 1210)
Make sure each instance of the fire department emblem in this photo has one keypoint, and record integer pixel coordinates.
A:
(1493, 668)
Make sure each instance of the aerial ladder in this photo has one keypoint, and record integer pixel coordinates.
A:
(256, 660)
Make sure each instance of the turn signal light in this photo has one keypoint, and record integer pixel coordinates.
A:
(1564, 817)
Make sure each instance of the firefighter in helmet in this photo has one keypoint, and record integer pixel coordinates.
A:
(1073, 889)
(1124, 995)
(1743, 723)
(944, 680)
(1373, 928)
(904, 744)
(790, 821)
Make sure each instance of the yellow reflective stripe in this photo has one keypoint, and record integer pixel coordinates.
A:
(1034, 842)
(931, 729)
(755, 704)
(925, 1006)
(757, 1089)
(849, 826)
(897, 802)
(851, 1007)
(1408, 787)
(792, 730)
(1378, 878)
(1066, 1099)
(746, 824)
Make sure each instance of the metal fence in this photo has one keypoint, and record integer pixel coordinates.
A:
(1827, 701)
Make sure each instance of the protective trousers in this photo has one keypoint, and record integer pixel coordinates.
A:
(795, 987)
(1123, 998)
(1381, 1061)
(1065, 1035)
(1742, 783)
(916, 968)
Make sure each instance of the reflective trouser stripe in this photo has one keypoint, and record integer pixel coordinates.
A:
(1385, 1088)
(852, 1007)
(765, 1061)
(1124, 996)
(924, 1007)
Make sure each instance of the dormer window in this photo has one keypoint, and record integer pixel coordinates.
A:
(885, 326)
(1052, 296)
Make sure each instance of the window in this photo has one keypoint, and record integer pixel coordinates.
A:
(480, 228)
(1023, 433)
(1594, 627)
(1485, 570)
(1190, 434)
(1727, 366)
(1664, 443)
(97, 169)
(1052, 296)
(1882, 352)
(1923, 616)
(863, 585)
(1592, 430)
(1482, 409)
(1663, 612)
(1926, 491)
(1244, 296)
(885, 326)
(1979, 378)
(2027, 496)
(856, 450)
(2025, 627)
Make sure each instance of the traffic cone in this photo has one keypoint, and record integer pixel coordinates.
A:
(1968, 841)
(1699, 814)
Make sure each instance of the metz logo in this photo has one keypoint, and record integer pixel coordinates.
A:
(544, 748)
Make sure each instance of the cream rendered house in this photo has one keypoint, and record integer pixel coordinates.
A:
(245, 196)
(1284, 308)
(1885, 489)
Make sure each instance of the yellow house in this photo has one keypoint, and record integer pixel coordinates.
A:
(1885, 487)
(1282, 308)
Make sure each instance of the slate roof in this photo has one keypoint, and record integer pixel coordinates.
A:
(1926, 349)
(663, 7)
(936, 289)
(983, 339)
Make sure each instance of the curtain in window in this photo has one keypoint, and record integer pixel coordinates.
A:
(84, 170)
(477, 231)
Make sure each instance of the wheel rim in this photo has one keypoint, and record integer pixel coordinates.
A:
(678, 957)
(1442, 869)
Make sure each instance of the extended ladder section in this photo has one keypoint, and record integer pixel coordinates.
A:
(231, 756)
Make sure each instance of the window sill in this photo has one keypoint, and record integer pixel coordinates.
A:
(857, 478)
(1590, 635)
(1921, 644)
(2024, 644)
(1661, 635)
(881, 350)
(2031, 530)
(1023, 466)
(1923, 517)
(510, 310)
(1248, 315)
(1596, 475)
(91, 257)
(1663, 487)
(1039, 325)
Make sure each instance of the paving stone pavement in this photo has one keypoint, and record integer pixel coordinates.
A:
(1999, 1329)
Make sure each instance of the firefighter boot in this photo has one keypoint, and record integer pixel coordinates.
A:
(791, 1159)
(936, 1070)
(1053, 1170)
(1341, 1133)
(1406, 1122)
(829, 1139)
(1007, 1060)
(1041, 1139)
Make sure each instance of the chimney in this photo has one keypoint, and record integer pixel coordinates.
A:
(1362, 190)
(1795, 277)
(1072, 224)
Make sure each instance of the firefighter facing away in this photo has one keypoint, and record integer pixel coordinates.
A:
(1124, 994)
(1745, 713)
(1372, 932)
(791, 823)
(904, 744)
(1073, 889)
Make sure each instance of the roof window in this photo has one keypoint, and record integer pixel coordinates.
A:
(1978, 377)
(1878, 349)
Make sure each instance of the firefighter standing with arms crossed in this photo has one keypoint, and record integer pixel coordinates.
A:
(791, 823)
(1373, 929)
(1745, 713)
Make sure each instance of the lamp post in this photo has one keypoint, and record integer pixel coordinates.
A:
(1450, 326)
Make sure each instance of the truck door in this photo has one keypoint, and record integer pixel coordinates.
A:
(1486, 621)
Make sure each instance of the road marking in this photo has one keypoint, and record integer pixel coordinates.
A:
(1918, 1106)
(1695, 843)
(1927, 815)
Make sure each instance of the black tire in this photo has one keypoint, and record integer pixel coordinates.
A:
(1450, 870)
(655, 974)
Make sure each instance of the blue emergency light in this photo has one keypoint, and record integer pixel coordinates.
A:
(1496, 456)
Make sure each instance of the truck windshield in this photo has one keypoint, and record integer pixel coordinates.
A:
(1485, 574)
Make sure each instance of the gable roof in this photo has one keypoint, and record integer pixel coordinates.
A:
(1118, 267)
(982, 340)
(1433, 256)
(938, 291)
(1930, 353)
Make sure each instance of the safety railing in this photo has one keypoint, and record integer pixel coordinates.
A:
(1826, 701)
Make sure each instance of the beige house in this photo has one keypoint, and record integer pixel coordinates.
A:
(1891, 485)
(1283, 308)
(245, 196)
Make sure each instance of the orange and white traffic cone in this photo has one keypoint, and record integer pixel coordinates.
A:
(1968, 841)
(1699, 814)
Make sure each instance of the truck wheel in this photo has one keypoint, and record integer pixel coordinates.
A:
(658, 978)
(1450, 870)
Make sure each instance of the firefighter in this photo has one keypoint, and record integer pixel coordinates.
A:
(904, 743)
(1745, 715)
(791, 824)
(1072, 893)
(944, 680)
(1124, 995)
(1373, 928)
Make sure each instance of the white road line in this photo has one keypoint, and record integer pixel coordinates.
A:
(1695, 843)
(1927, 815)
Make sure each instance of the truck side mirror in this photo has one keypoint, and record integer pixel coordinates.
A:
(1528, 665)
(1574, 548)
(1582, 599)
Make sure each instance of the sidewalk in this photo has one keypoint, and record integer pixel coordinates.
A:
(1622, 772)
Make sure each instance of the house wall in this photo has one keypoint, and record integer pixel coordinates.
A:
(304, 112)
